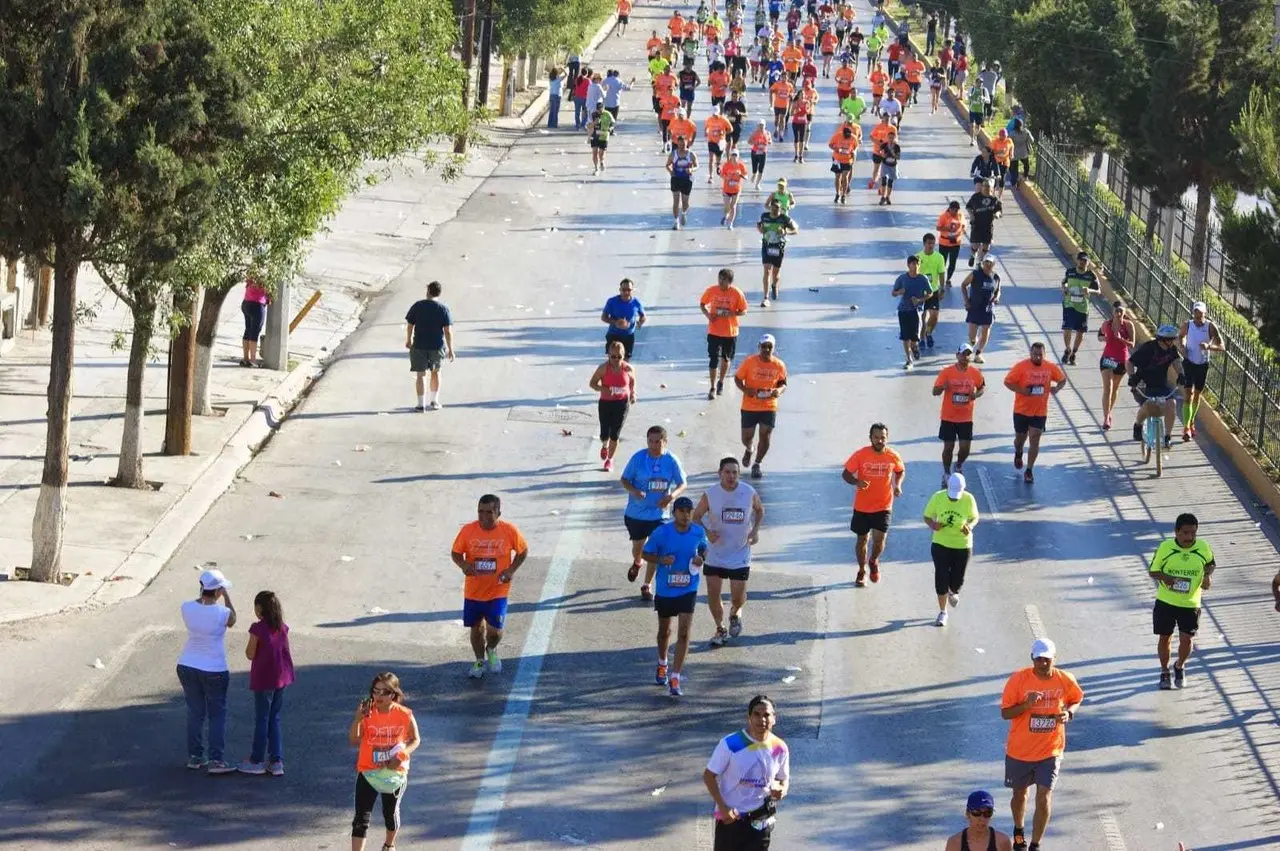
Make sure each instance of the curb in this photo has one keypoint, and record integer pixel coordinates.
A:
(534, 112)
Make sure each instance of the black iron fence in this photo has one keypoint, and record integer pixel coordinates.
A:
(1245, 380)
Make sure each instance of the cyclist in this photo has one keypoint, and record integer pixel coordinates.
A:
(1078, 282)
(1182, 568)
(1149, 365)
(675, 552)
(1032, 381)
(1197, 338)
(1117, 336)
(877, 473)
(731, 512)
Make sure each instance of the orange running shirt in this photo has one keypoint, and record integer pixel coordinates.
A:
(878, 78)
(809, 32)
(381, 732)
(716, 299)
(882, 134)
(676, 25)
(914, 70)
(847, 13)
(716, 126)
(710, 31)
(758, 375)
(690, 29)
(760, 141)
(490, 550)
(664, 84)
(731, 176)
(878, 468)
(624, 7)
(719, 83)
(1037, 733)
(1002, 150)
(652, 46)
(844, 79)
(829, 42)
(782, 92)
(902, 91)
(683, 128)
(791, 59)
(1025, 375)
(958, 387)
(841, 148)
(668, 103)
(950, 228)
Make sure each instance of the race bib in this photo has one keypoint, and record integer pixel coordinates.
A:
(383, 756)
(659, 485)
(764, 394)
(486, 565)
(959, 398)
(1037, 390)
(1182, 586)
(1044, 723)
(1109, 363)
(724, 311)
(773, 250)
(733, 515)
(618, 391)
(680, 580)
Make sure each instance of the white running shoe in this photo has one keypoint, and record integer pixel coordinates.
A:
(954, 599)
(477, 670)
(941, 619)
(495, 664)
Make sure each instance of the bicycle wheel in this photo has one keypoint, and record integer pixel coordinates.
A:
(1158, 445)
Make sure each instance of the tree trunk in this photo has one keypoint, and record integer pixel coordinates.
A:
(182, 352)
(522, 72)
(51, 505)
(206, 336)
(1154, 217)
(1200, 236)
(129, 473)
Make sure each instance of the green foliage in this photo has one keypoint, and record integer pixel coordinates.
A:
(1258, 132)
(1251, 242)
(544, 27)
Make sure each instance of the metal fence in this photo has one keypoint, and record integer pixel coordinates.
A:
(1244, 380)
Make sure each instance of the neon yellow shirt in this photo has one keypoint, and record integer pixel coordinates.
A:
(933, 266)
(952, 514)
(1187, 565)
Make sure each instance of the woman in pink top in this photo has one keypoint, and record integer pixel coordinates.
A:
(1118, 334)
(615, 381)
(254, 308)
(270, 673)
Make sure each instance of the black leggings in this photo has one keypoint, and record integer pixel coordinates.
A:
(951, 253)
(255, 315)
(948, 568)
(366, 797)
(613, 413)
(757, 163)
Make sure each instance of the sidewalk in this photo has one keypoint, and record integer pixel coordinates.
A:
(117, 540)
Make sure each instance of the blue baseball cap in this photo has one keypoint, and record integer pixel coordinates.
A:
(980, 800)
(682, 503)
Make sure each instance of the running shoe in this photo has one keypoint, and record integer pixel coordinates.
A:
(1071, 359)
(860, 581)
(720, 387)
(941, 619)
(1179, 676)
(875, 571)
(1019, 840)
(673, 686)
(275, 768)
(907, 365)
(1166, 683)
(217, 766)
(1186, 434)
(928, 340)
(633, 571)
(953, 599)
(971, 261)
(604, 452)
(1029, 477)
(721, 636)
(477, 670)
(1168, 441)
(764, 302)
(675, 225)
(735, 625)
(495, 664)
(1106, 423)
(1017, 459)
(746, 458)
(196, 763)
(646, 594)
(755, 472)
(684, 218)
(433, 406)
(660, 677)
(255, 768)
(978, 358)
(711, 394)
(729, 226)
(608, 464)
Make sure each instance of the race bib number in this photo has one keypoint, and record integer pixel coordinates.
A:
(381, 756)
(764, 394)
(486, 565)
(659, 485)
(1182, 586)
(1044, 723)
(773, 250)
(959, 398)
(1109, 363)
(620, 392)
(733, 515)
(723, 311)
(680, 580)
(1037, 390)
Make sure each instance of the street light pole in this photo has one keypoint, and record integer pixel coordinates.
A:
(486, 53)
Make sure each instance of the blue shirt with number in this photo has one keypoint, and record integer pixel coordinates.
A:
(630, 310)
(655, 478)
(680, 577)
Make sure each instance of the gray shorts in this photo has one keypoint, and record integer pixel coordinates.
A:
(425, 360)
(1019, 774)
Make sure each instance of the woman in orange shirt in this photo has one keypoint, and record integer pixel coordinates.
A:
(386, 733)
(732, 173)
(759, 142)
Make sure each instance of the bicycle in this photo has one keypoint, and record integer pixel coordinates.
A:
(1153, 436)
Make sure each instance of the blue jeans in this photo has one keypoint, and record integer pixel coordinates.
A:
(206, 694)
(553, 111)
(266, 726)
(580, 117)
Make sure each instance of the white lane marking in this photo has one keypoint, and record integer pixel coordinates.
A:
(96, 681)
(1033, 620)
(989, 492)
(1111, 832)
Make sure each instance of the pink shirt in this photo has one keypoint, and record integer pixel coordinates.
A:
(255, 293)
(615, 385)
(1115, 347)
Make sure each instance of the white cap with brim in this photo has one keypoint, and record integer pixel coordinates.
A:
(767, 340)
(1200, 306)
(212, 580)
(1043, 648)
(955, 485)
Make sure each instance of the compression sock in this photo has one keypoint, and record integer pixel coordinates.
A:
(1187, 415)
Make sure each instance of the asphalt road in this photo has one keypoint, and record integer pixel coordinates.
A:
(891, 721)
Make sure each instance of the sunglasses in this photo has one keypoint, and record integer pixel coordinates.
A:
(615, 357)
(982, 813)
(767, 347)
(382, 692)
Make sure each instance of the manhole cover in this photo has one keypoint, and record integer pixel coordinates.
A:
(549, 415)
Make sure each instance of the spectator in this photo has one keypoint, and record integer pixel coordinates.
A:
(202, 671)
(270, 673)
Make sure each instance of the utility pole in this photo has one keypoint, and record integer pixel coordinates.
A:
(468, 30)
(182, 362)
(486, 53)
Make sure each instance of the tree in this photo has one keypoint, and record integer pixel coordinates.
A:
(102, 97)
(365, 80)
(542, 27)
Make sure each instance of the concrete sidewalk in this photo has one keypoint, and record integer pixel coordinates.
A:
(118, 540)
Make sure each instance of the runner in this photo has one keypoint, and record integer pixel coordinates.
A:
(667, 105)
(1182, 568)
(959, 385)
(934, 267)
(902, 94)
(874, 43)
(681, 164)
(852, 106)
(782, 92)
(829, 42)
(718, 82)
(981, 292)
(1002, 151)
(732, 174)
(980, 835)
(624, 314)
(615, 381)
(894, 56)
(688, 82)
(952, 514)
(977, 102)
(675, 26)
(653, 478)
(983, 168)
(792, 60)
(786, 201)
(876, 473)
(488, 551)
(717, 128)
(879, 80)
(385, 735)
(428, 336)
(759, 142)
(653, 45)
(809, 35)
(1117, 332)
(774, 227)
(855, 46)
(624, 15)
(844, 147)
(598, 132)
(935, 76)
(800, 117)
(891, 108)
(735, 109)
(880, 134)
(1077, 284)
(1149, 365)
(1022, 142)
(1038, 702)
(722, 304)
(1032, 382)
(675, 550)
(890, 154)
(762, 378)
(1197, 338)
(951, 226)
(844, 81)
(914, 70)
(731, 512)
(912, 291)
(749, 772)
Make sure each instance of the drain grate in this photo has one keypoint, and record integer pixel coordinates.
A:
(530, 414)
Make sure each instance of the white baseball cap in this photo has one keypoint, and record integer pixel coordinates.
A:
(767, 339)
(1200, 306)
(212, 580)
(1043, 648)
(955, 485)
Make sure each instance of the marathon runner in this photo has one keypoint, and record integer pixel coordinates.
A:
(624, 314)
(731, 512)
(653, 478)
(1032, 382)
(893, 55)
(1077, 284)
(951, 226)
(977, 101)
(844, 81)
(488, 551)
(874, 43)
(681, 164)
(792, 60)
(981, 292)
(759, 142)
(829, 42)
(615, 381)
(809, 36)
(952, 514)
(666, 105)
(914, 70)
(1197, 338)
(879, 80)
(959, 385)
(876, 473)
(774, 227)
(718, 82)
(800, 118)
(1038, 702)
(717, 128)
(722, 304)
(782, 91)
(1149, 365)
(980, 835)
(983, 168)
(855, 47)
(688, 82)
(890, 155)
(598, 132)
(1182, 568)
(880, 134)
(748, 773)
(736, 111)
(676, 550)
(934, 267)
(935, 76)
(675, 26)
(1002, 152)
(912, 291)
(891, 108)
(844, 148)
(624, 15)
(732, 174)
(852, 106)
(1117, 334)
(762, 378)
